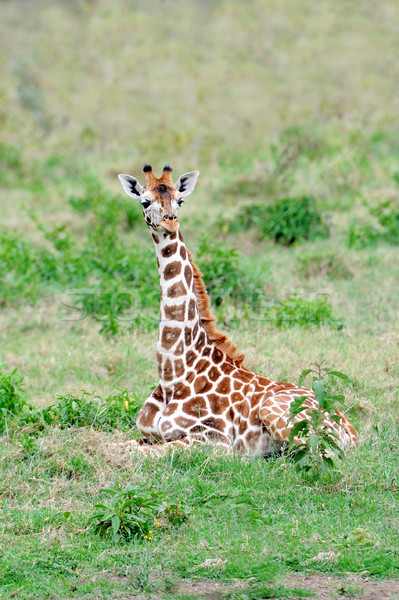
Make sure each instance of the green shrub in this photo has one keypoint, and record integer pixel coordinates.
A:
(362, 235)
(10, 163)
(131, 512)
(12, 395)
(384, 228)
(287, 221)
(225, 274)
(316, 448)
(107, 207)
(114, 412)
(306, 313)
(387, 215)
(121, 276)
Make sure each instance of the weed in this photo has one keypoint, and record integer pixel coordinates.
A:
(312, 441)
(306, 313)
(131, 512)
(117, 411)
(287, 221)
(384, 228)
(224, 273)
(12, 396)
(108, 208)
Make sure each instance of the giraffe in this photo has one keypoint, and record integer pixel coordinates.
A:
(205, 393)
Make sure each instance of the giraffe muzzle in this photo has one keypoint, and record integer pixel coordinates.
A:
(170, 223)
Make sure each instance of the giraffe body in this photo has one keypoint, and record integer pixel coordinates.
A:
(205, 393)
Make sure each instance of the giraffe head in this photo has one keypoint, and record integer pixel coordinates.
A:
(160, 198)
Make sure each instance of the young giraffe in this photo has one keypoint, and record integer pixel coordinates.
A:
(205, 392)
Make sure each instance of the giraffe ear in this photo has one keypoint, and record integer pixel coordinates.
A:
(186, 183)
(131, 186)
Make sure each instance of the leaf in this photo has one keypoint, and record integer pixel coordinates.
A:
(314, 442)
(303, 376)
(107, 516)
(296, 407)
(111, 492)
(319, 388)
(298, 427)
(340, 375)
(115, 521)
(301, 458)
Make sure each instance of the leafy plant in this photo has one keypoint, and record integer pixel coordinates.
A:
(295, 310)
(12, 395)
(385, 227)
(313, 442)
(117, 411)
(224, 273)
(362, 235)
(131, 512)
(120, 277)
(287, 221)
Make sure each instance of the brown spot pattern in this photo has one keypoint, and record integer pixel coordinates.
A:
(202, 365)
(217, 355)
(179, 348)
(227, 368)
(195, 407)
(218, 404)
(184, 422)
(190, 357)
(202, 385)
(187, 336)
(170, 335)
(179, 367)
(223, 386)
(201, 340)
(176, 290)
(183, 252)
(182, 391)
(175, 313)
(169, 250)
(188, 274)
(191, 309)
(168, 370)
(214, 374)
(171, 270)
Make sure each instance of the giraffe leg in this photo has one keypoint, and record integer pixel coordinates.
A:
(161, 449)
(275, 412)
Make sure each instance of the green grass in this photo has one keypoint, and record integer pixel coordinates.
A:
(264, 99)
(244, 521)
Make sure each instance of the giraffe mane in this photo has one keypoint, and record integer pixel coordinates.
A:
(221, 340)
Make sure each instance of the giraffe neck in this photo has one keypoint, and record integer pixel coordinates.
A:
(180, 327)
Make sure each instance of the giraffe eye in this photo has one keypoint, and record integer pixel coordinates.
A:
(180, 201)
(145, 203)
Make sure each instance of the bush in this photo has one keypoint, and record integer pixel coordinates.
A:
(115, 412)
(313, 444)
(225, 275)
(287, 221)
(385, 227)
(107, 207)
(12, 394)
(306, 313)
(131, 513)
(120, 276)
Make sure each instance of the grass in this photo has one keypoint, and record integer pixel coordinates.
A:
(263, 99)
